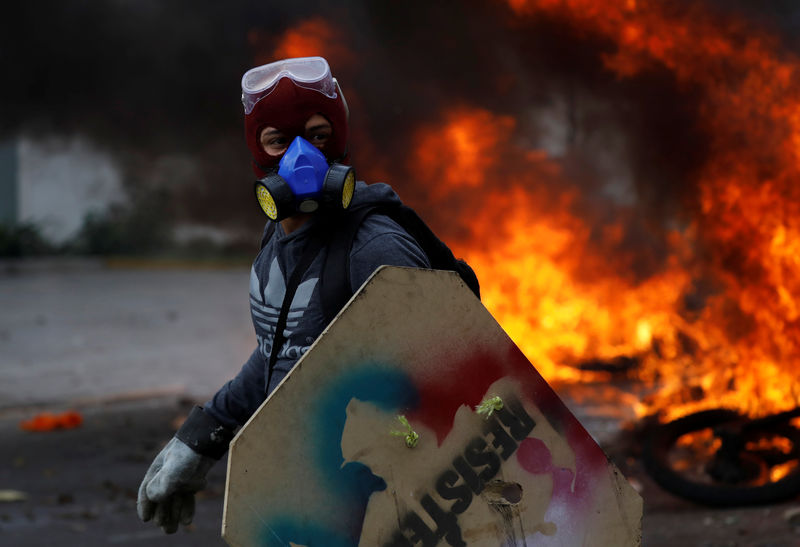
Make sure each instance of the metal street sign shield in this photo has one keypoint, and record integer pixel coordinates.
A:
(374, 439)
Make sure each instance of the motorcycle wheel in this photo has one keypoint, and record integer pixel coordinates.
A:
(683, 457)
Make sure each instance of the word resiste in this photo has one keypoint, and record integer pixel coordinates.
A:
(476, 465)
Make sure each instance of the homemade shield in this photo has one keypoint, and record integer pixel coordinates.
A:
(374, 438)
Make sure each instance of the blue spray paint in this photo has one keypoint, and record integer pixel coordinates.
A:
(351, 485)
(283, 530)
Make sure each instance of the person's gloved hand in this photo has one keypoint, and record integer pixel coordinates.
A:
(179, 471)
(167, 491)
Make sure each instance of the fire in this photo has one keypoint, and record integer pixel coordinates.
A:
(532, 252)
(472, 137)
(777, 443)
(555, 289)
(533, 264)
(693, 450)
(780, 471)
(307, 38)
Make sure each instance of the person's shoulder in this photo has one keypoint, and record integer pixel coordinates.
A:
(381, 220)
(386, 241)
(374, 194)
(379, 224)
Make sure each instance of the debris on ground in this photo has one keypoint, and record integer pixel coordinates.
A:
(47, 421)
(12, 495)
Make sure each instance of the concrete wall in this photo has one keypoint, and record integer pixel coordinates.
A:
(59, 181)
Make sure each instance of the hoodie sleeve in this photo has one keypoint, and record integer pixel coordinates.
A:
(236, 401)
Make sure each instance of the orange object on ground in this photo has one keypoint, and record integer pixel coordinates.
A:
(47, 421)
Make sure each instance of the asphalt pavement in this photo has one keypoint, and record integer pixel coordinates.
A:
(131, 349)
(80, 485)
(76, 330)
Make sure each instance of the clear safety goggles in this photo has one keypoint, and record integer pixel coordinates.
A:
(308, 72)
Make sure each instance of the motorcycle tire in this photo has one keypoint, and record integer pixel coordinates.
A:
(660, 439)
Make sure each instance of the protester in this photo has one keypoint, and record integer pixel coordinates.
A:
(296, 127)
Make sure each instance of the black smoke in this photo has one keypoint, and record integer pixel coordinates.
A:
(146, 80)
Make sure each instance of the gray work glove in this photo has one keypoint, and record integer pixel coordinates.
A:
(167, 491)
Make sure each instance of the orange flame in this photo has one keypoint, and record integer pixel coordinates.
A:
(532, 253)
(472, 137)
(529, 250)
(307, 38)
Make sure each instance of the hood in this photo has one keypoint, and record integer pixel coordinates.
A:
(377, 193)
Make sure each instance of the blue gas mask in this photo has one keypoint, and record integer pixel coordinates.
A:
(305, 183)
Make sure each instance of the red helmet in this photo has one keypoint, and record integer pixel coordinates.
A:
(284, 95)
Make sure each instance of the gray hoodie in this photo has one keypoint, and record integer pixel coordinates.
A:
(379, 241)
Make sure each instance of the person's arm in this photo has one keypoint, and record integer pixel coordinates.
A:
(234, 403)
